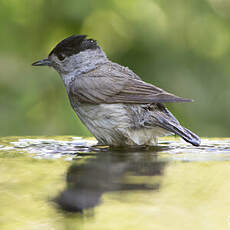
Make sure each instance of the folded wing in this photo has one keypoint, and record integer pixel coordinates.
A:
(117, 89)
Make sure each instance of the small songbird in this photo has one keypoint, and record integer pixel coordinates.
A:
(117, 107)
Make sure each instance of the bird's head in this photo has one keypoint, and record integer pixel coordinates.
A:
(71, 53)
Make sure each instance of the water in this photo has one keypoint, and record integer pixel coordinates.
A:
(68, 183)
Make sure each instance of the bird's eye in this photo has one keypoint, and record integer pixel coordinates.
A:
(61, 57)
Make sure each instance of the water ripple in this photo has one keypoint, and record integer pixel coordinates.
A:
(75, 147)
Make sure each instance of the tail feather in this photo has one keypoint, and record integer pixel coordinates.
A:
(165, 119)
(186, 134)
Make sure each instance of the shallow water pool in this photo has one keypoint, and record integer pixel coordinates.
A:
(68, 183)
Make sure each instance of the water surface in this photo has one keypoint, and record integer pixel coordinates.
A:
(69, 183)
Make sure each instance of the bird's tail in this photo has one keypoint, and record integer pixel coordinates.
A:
(165, 119)
(184, 133)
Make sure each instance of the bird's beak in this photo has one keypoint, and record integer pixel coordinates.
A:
(43, 62)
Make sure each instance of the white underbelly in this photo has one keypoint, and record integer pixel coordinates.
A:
(112, 124)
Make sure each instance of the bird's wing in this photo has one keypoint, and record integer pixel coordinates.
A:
(118, 89)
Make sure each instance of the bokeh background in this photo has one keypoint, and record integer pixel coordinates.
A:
(182, 46)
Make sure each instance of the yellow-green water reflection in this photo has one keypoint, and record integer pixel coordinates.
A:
(175, 186)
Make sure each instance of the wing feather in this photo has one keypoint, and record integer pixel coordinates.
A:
(118, 89)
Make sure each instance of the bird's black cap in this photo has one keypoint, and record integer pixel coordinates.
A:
(73, 45)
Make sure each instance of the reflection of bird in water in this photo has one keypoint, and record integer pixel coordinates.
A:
(87, 182)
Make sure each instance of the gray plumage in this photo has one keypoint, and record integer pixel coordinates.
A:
(117, 107)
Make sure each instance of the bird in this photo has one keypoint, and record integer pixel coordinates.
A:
(113, 102)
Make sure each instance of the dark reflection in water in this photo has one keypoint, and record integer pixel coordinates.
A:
(107, 171)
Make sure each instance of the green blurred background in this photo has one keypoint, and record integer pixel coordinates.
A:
(182, 46)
